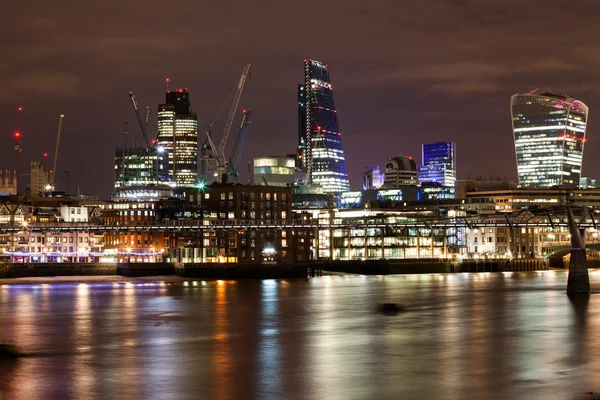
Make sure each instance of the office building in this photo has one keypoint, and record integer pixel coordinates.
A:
(274, 171)
(400, 171)
(136, 166)
(373, 178)
(588, 183)
(320, 152)
(439, 164)
(549, 135)
(178, 135)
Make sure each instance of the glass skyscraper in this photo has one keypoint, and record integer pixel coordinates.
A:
(140, 166)
(320, 152)
(439, 164)
(178, 136)
(549, 134)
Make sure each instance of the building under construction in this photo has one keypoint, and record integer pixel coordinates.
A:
(138, 166)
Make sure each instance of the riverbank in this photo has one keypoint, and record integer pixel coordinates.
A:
(116, 272)
(48, 280)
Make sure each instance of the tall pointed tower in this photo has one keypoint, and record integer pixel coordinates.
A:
(320, 151)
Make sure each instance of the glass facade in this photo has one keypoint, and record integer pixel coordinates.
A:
(274, 171)
(439, 164)
(135, 166)
(549, 135)
(178, 136)
(320, 151)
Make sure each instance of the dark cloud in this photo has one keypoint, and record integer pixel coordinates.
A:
(404, 72)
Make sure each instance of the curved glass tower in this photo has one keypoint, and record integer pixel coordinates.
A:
(320, 152)
(549, 134)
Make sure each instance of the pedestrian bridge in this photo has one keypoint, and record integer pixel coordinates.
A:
(546, 218)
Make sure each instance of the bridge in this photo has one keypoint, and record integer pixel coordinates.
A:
(559, 217)
(554, 218)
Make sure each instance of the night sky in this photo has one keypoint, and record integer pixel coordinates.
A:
(403, 73)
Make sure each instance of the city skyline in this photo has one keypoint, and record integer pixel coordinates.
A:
(388, 104)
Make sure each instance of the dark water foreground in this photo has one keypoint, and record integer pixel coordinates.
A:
(479, 336)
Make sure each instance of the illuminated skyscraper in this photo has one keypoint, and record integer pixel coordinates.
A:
(439, 164)
(178, 135)
(138, 166)
(549, 134)
(320, 152)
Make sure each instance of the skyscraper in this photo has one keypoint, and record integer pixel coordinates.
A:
(178, 135)
(439, 164)
(549, 134)
(320, 151)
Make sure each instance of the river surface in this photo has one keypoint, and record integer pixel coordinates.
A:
(462, 336)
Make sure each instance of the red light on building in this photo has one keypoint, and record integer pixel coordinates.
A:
(20, 108)
(45, 155)
(17, 134)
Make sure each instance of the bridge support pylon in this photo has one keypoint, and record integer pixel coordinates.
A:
(579, 280)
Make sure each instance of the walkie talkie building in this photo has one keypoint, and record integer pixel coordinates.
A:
(549, 135)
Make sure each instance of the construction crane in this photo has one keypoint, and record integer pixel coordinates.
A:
(143, 123)
(18, 148)
(236, 155)
(218, 154)
(60, 124)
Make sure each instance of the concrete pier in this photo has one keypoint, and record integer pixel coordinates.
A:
(579, 280)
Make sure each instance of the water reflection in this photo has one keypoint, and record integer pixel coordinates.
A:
(269, 346)
(221, 363)
(492, 336)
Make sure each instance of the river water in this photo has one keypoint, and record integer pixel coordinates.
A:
(462, 336)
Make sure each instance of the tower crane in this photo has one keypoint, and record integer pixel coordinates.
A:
(218, 154)
(143, 123)
(236, 155)
(60, 124)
